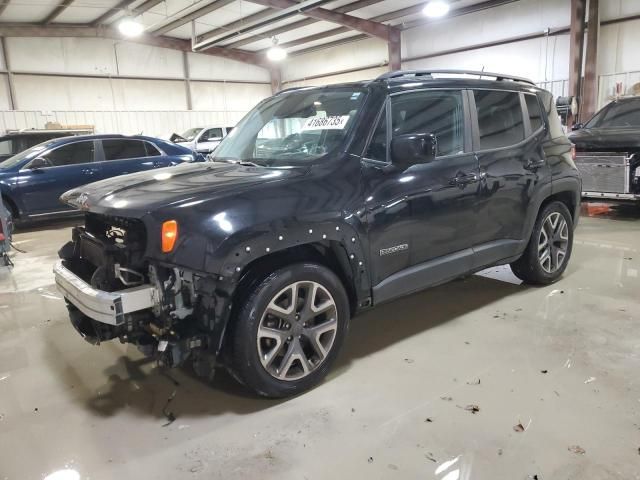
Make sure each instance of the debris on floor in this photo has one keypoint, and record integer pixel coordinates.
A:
(499, 452)
(429, 456)
(428, 420)
(472, 408)
(446, 398)
(474, 382)
(168, 414)
(577, 449)
(370, 460)
(544, 371)
(590, 379)
(520, 427)
(409, 360)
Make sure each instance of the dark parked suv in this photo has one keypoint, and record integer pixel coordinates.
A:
(324, 202)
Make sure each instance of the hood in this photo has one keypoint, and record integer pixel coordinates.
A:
(140, 193)
(606, 139)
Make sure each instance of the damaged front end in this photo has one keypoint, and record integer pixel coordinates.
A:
(114, 291)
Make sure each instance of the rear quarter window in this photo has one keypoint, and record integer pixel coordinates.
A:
(500, 118)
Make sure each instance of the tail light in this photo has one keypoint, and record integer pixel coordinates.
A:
(169, 235)
(573, 152)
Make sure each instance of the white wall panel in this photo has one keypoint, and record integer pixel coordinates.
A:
(343, 57)
(143, 60)
(34, 92)
(539, 59)
(125, 122)
(5, 103)
(94, 56)
(206, 67)
(230, 97)
(618, 8)
(618, 47)
(149, 94)
(366, 74)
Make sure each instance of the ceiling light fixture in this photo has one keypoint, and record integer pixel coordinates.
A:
(436, 9)
(276, 53)
(129, 27)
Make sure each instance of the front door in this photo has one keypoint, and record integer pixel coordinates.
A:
(122, 156)
(54, 172)
(420, 219)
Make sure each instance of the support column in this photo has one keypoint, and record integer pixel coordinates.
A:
(395, 49)
(276, 80)
(590, 86)
(12, 91)
(576, 49)
(187, 80)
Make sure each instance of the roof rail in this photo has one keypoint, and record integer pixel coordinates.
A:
(428, 73)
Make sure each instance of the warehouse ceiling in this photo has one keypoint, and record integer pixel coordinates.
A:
(240, 28)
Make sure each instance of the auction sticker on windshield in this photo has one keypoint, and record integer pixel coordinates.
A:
(336, 122)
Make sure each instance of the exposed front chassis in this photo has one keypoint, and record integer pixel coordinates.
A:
(113, 291)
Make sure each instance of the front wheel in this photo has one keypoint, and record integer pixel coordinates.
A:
(289, 330)
(549, 248)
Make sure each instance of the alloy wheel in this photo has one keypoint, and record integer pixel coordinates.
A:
(553, 242)
(297, 330)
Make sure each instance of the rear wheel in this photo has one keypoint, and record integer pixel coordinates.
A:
(549, 248)
(289, 330)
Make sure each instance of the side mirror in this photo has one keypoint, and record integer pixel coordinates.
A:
(413, 148)
(577, 126)
(38, 163)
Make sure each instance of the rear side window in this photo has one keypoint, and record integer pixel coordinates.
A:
(123, 149)
(535, 112)
(152, 150)
(71, 154)
(437, 112)
(500, 119)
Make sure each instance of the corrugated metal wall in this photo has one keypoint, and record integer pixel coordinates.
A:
(157, 123)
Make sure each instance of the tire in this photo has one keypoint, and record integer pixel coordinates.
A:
(272, 347)
(8, 208)
(535, 266)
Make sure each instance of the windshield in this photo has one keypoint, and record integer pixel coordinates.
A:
(617, 115)
(191, 134)
(294, 127)
(29, 153)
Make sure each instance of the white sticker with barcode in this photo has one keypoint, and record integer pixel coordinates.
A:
(337, 122)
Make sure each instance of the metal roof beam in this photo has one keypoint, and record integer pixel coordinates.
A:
(36, 30)
(121, 7)
(57, 10)
(371, 28)
(4, 5)
(200, 12)
(302, 23)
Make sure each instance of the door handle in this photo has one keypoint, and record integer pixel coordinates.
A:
(465, 179)
(533, 164)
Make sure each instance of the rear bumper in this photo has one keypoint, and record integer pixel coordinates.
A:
(105, 307)
(612, 196)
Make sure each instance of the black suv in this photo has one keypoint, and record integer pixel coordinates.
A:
(322, 203)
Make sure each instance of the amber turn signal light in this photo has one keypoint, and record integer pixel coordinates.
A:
(169, 235)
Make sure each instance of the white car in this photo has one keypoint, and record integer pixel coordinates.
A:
(202, 139)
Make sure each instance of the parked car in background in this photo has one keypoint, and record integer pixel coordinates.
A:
(324, 203)
(608, 151)
(32, 181)
(16, 141)
(202, 139)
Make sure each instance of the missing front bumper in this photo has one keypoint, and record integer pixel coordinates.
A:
(105, 307)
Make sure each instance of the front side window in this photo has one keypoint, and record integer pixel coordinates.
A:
(70, 154)
(535, 112)
(378, 146)
(123, 149)
(438, 112)
(500, 118)
(295, 127)
(6, 147)
(190, 134)
(211, 134)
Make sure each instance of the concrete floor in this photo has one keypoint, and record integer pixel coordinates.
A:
(560, 361)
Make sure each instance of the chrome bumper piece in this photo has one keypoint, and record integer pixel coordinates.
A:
(105, 307)
(611, 196)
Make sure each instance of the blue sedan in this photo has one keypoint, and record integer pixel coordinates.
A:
(32, 181)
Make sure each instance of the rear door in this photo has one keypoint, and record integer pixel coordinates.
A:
(54, 172)
(126, 155)
(508, 139)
